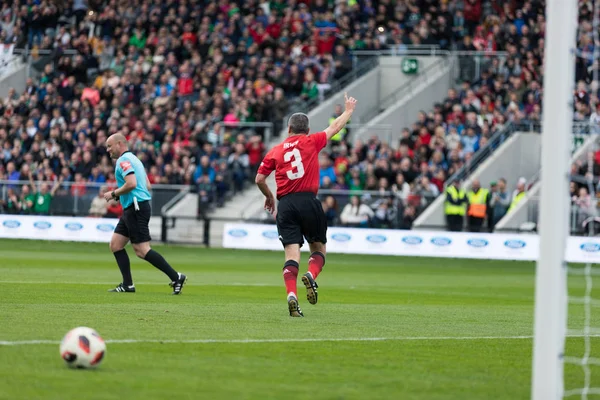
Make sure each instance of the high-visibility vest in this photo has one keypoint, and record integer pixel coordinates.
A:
(516, 200)
(452, 209)
(340, 135)
(477, 203)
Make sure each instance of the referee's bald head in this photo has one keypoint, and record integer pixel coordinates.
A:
(118, 138)
(116, 145)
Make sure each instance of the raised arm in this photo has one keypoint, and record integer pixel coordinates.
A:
(343, 119)
(32, 183)
(57, 183)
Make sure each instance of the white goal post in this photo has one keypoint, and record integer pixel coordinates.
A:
(551, 272)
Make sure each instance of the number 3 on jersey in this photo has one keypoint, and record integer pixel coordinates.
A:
(296, 163)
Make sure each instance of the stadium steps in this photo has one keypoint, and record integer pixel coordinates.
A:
(235, 210)
(188, 230)
(401, 106)
(376, 89)
(527, 209)
(518, 156)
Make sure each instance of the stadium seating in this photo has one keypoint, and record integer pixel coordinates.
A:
(177, 79)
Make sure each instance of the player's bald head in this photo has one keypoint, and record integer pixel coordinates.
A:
(298, 123)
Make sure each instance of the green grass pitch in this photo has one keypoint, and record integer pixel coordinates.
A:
(384, 328)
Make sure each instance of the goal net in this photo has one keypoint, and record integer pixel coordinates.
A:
(566, 353)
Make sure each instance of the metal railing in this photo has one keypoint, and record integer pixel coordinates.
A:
(578, 127)
(499, 137)
(75, 199)
(471, 63)
(577, 215)
(267, 129)
(36, 59)
(483, 153)
(401, 210)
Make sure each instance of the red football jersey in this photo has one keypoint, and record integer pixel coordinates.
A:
(296, 163)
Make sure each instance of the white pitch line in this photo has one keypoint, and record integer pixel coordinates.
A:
(137, 283)
(299, 340)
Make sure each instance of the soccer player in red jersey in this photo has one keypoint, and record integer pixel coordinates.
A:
(300, 215)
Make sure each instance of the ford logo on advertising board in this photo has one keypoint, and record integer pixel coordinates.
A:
(477, 242)
(413, 240)
(376, 238)
(73, 226)
(341, 237)
(238, 233)
(42, 225)
(105, 227)
(515, 244)
(590, 247)
(441, 241)
(270, 234)
(11, 223)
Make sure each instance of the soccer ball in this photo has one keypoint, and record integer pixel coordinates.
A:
(82, 348)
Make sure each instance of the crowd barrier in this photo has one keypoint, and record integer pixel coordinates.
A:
(57, 228)
(497, 246)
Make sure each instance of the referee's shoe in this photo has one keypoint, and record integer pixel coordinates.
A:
(178, 284)
(123, 288)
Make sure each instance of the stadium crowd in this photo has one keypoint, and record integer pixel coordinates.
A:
(508, 89)
(176, 78)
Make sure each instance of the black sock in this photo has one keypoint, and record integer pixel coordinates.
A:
(159, 262)
(124, 265)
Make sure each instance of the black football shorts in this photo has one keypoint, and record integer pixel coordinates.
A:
(299, 216)
(134, 224)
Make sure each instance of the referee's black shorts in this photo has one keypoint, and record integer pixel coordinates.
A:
(134, 224)
(299, 216)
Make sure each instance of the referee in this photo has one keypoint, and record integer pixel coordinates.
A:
(135, 198)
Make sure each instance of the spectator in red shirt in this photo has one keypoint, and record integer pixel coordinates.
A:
(255, 149)
(153, 175)
(274, 28)
(79, 187)
(188, 36)
(325, 40)
(472, 12)
(185, 83)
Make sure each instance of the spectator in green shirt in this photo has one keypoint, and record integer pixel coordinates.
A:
(310, 89)
(26, 200)
(137, 39)
(43, 197)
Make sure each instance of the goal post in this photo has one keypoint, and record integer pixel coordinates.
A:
(551, 281)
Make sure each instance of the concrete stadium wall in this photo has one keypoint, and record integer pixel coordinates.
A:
(519, 156)
(14, 77)
(527, 210)
(370, 90)
(425, 90)
(392, 77)
(365, 89)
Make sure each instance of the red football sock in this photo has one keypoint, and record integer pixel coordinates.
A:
(315, 263)
(290, 276)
